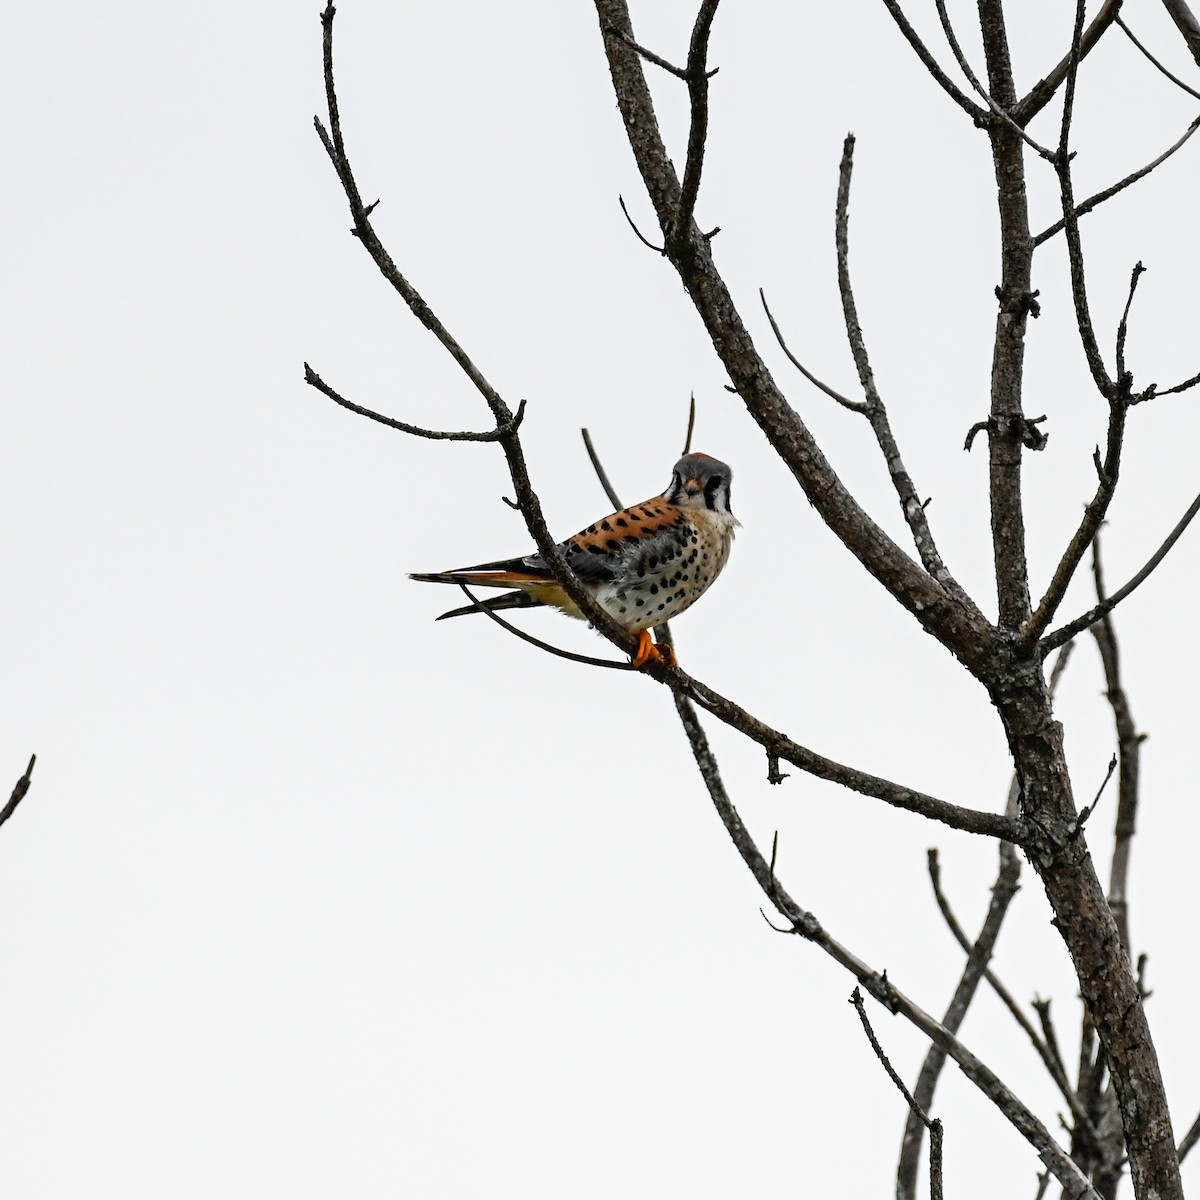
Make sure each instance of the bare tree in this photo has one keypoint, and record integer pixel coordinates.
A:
(1116, 1099)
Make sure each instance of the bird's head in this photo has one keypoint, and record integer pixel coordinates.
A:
(699, 481)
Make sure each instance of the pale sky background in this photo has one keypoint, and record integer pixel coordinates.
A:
(312, 897)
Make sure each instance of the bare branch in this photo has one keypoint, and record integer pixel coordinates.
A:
(1185, 21)
(967, 819)
(648, 55)
(1042, 1008)
(691, 426)
(977, 114)
(1123, 326)
(1062, 167)
(874, 408)
(858, 406)
(1189, 1139)
(528, 637)
(488, 435)
(601, 474)
(1100, 197)
(1097, 508)
(641, 237)
(806, 925)
(978, 957)
(1179, 387)
(18, 792)
(1129, 747)
(1068, 631)
(1155, 62)
(1042, 91)
(1050, 1059)
(997, 111)
(697, 81)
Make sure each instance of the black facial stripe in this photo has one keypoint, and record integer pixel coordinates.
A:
(710, 491)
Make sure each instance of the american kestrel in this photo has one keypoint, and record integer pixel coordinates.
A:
(644, 565)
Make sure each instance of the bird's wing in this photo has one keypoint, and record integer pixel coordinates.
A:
(612, 548)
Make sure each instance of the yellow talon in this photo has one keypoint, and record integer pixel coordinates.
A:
(647, 651)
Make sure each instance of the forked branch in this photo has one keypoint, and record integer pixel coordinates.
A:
(805, 924)
(1068, 631)
(874, 408)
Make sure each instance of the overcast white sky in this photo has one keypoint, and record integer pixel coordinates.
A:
(313, 897)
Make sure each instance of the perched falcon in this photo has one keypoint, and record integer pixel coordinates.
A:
(644, 565)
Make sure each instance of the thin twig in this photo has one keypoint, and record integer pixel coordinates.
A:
(1173, 78)
(488, 435)
(977, 114)
(18, 792)
(641, 237)
(1100, 197)
(555, 650)
(997, 111)
(918, 1112)
(1129, 745)
(1123, 326)
(1062, 167)
(1042, 91)
(1097, 508)
(1069, 630)
(648, 55)
(1190, 1139)
(1088, 809)
(874, 408)
(1050, 1036)
(601, 474)
(1179, 387)
(858, 406)
(691, 428)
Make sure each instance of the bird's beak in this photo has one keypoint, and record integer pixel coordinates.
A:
(693, 487)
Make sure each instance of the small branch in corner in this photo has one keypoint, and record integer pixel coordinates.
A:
(1088, 809)
(934, 1126)
(18, 792)
(640, 236)
(774, 775)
